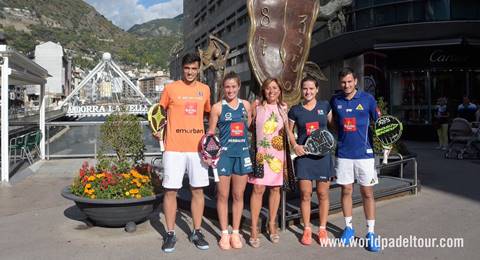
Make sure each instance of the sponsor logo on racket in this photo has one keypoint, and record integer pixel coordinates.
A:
(388, 129)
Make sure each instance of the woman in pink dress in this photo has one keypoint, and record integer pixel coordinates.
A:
(270, 117)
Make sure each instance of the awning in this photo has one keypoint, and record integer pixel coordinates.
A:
(396, 36)
(17, 69)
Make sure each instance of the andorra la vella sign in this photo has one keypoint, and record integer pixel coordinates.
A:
(104, 90)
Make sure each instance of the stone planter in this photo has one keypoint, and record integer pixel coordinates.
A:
(114, 213)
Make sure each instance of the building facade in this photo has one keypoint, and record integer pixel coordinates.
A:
(52, 57)
(409, 52)
(226, 19)
(152, 86)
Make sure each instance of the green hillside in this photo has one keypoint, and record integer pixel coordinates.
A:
(80, 29)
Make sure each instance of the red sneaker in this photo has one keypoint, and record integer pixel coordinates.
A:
(307, 236)
(323, 237)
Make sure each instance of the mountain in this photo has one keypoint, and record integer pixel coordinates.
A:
(165, 27)
(82, 31)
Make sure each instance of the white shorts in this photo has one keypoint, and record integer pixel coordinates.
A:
(175, 164)
(363, 170)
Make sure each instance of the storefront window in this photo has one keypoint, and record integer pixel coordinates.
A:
(449, 84)
(475, 87)
(410, 97)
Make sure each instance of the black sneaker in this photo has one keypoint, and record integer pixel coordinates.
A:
(198, 239)
(169, 242)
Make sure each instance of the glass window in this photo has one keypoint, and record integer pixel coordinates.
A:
(418, 12)
(465, 9)
(384, 15)
(436, 10)
(450, 84)
(379, 2)
(363, 3)
(364, 19)
(409, 97)
(403, 12)
(475, 87)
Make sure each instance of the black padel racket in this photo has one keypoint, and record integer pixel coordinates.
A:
(388, 130)
(210, 149)
(320, 142)
(157, 118)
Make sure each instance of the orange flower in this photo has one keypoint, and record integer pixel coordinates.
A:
(133, 191)
(135, 173)
(91, 178)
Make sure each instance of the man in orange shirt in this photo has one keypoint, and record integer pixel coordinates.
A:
(186, 102)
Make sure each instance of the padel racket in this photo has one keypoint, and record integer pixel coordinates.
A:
(388, 130)
(320, 143)
(210, 149)
(157, 118)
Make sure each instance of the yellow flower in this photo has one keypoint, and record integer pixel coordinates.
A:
(126, 175)
(138, 196)
(100, 175)
(91, 178)
(127, 193)
(88, 186)
(135, 173)
(93, 196)
(133, 191)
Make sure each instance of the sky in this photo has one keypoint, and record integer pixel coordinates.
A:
(126, 13)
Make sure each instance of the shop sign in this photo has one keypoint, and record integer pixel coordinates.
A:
(442, 56)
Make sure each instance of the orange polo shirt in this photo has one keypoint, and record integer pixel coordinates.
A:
(185, 105)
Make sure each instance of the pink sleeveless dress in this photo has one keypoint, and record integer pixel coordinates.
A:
(269, 123)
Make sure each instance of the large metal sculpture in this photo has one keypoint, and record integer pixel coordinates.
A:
(214, 59)
(279, 39)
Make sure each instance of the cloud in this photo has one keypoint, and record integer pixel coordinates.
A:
(126, 13)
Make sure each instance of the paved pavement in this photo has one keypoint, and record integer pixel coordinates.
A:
(37, 223)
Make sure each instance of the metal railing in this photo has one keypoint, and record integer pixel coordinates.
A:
(403, 161)
(80, 139)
